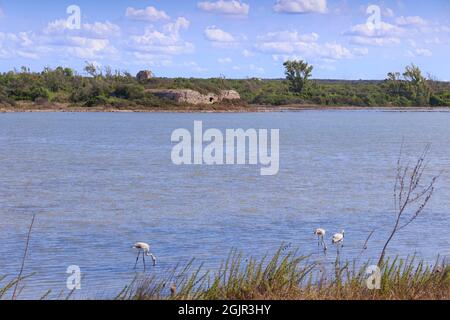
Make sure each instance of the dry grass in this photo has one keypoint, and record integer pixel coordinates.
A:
(285, 276)
(288, 276)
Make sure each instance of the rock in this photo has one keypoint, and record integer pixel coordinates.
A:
(185, 96)
(195, 97)
(229, 95)
(144, 75)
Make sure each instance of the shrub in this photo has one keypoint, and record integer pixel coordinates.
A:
(129, 91)
(63, 85)
(95, 101)
(439, 101)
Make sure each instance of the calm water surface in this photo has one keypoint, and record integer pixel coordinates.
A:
(101, 181)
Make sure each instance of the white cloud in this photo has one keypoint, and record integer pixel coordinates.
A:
(286, 35)
(86, 48)
(215, 34)
(247, 53)
(283, 44)
(281, 47)
(167, 41)
(424, 52)
(79, 47)
(17, 44)
(334, 51)
(225, 7)
(96, 29)
(148, 14)
(33, 46)
(360, 51)
(180, 24)
(408, 29)
(155, 41)
(410, 21)
(224, 60)
(102, 29)
(301, 6)
(383, 30)
(287, 42)
(56, 27)
(94, 41)
(89, 42)
(378, 42)
(383, 35)
(419, 52)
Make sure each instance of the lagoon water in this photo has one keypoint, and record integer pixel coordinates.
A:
(99, 182)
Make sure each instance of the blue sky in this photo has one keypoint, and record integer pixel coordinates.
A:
(236, 39)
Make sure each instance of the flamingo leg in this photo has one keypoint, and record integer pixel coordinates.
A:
(137, 259)
(143, 260)
(324, 245)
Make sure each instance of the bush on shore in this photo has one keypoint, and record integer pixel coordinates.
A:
(119, 89)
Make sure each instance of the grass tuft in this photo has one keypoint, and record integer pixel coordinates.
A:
(289, 276)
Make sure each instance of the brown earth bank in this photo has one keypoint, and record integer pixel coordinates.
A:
(235, 107)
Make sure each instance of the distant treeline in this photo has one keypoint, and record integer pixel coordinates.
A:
(120, 89)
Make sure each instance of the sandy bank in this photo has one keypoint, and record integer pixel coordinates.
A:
(217, 108)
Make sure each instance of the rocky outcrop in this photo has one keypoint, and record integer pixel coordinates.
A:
(144, 75)
(195, 97)
(229, 95)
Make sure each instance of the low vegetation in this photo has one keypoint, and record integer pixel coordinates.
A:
(284, 276)
(289, 276)
(104, 87)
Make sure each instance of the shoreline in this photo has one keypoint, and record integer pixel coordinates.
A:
(219, 108)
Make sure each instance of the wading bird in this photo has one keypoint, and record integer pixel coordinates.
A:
(338, 239)
(145, 248)
(320, 233)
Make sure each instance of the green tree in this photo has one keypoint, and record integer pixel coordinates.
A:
(68, 72)
(394, 83)
(91, 69)
(410, 87)
(297, 73)
(417, 86)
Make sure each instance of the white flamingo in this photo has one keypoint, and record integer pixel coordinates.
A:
(145, 248)
(338, 239)
(320, 233)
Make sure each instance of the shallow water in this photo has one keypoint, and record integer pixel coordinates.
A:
(101, 181)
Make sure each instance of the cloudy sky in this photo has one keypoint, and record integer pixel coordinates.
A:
(346, 39)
